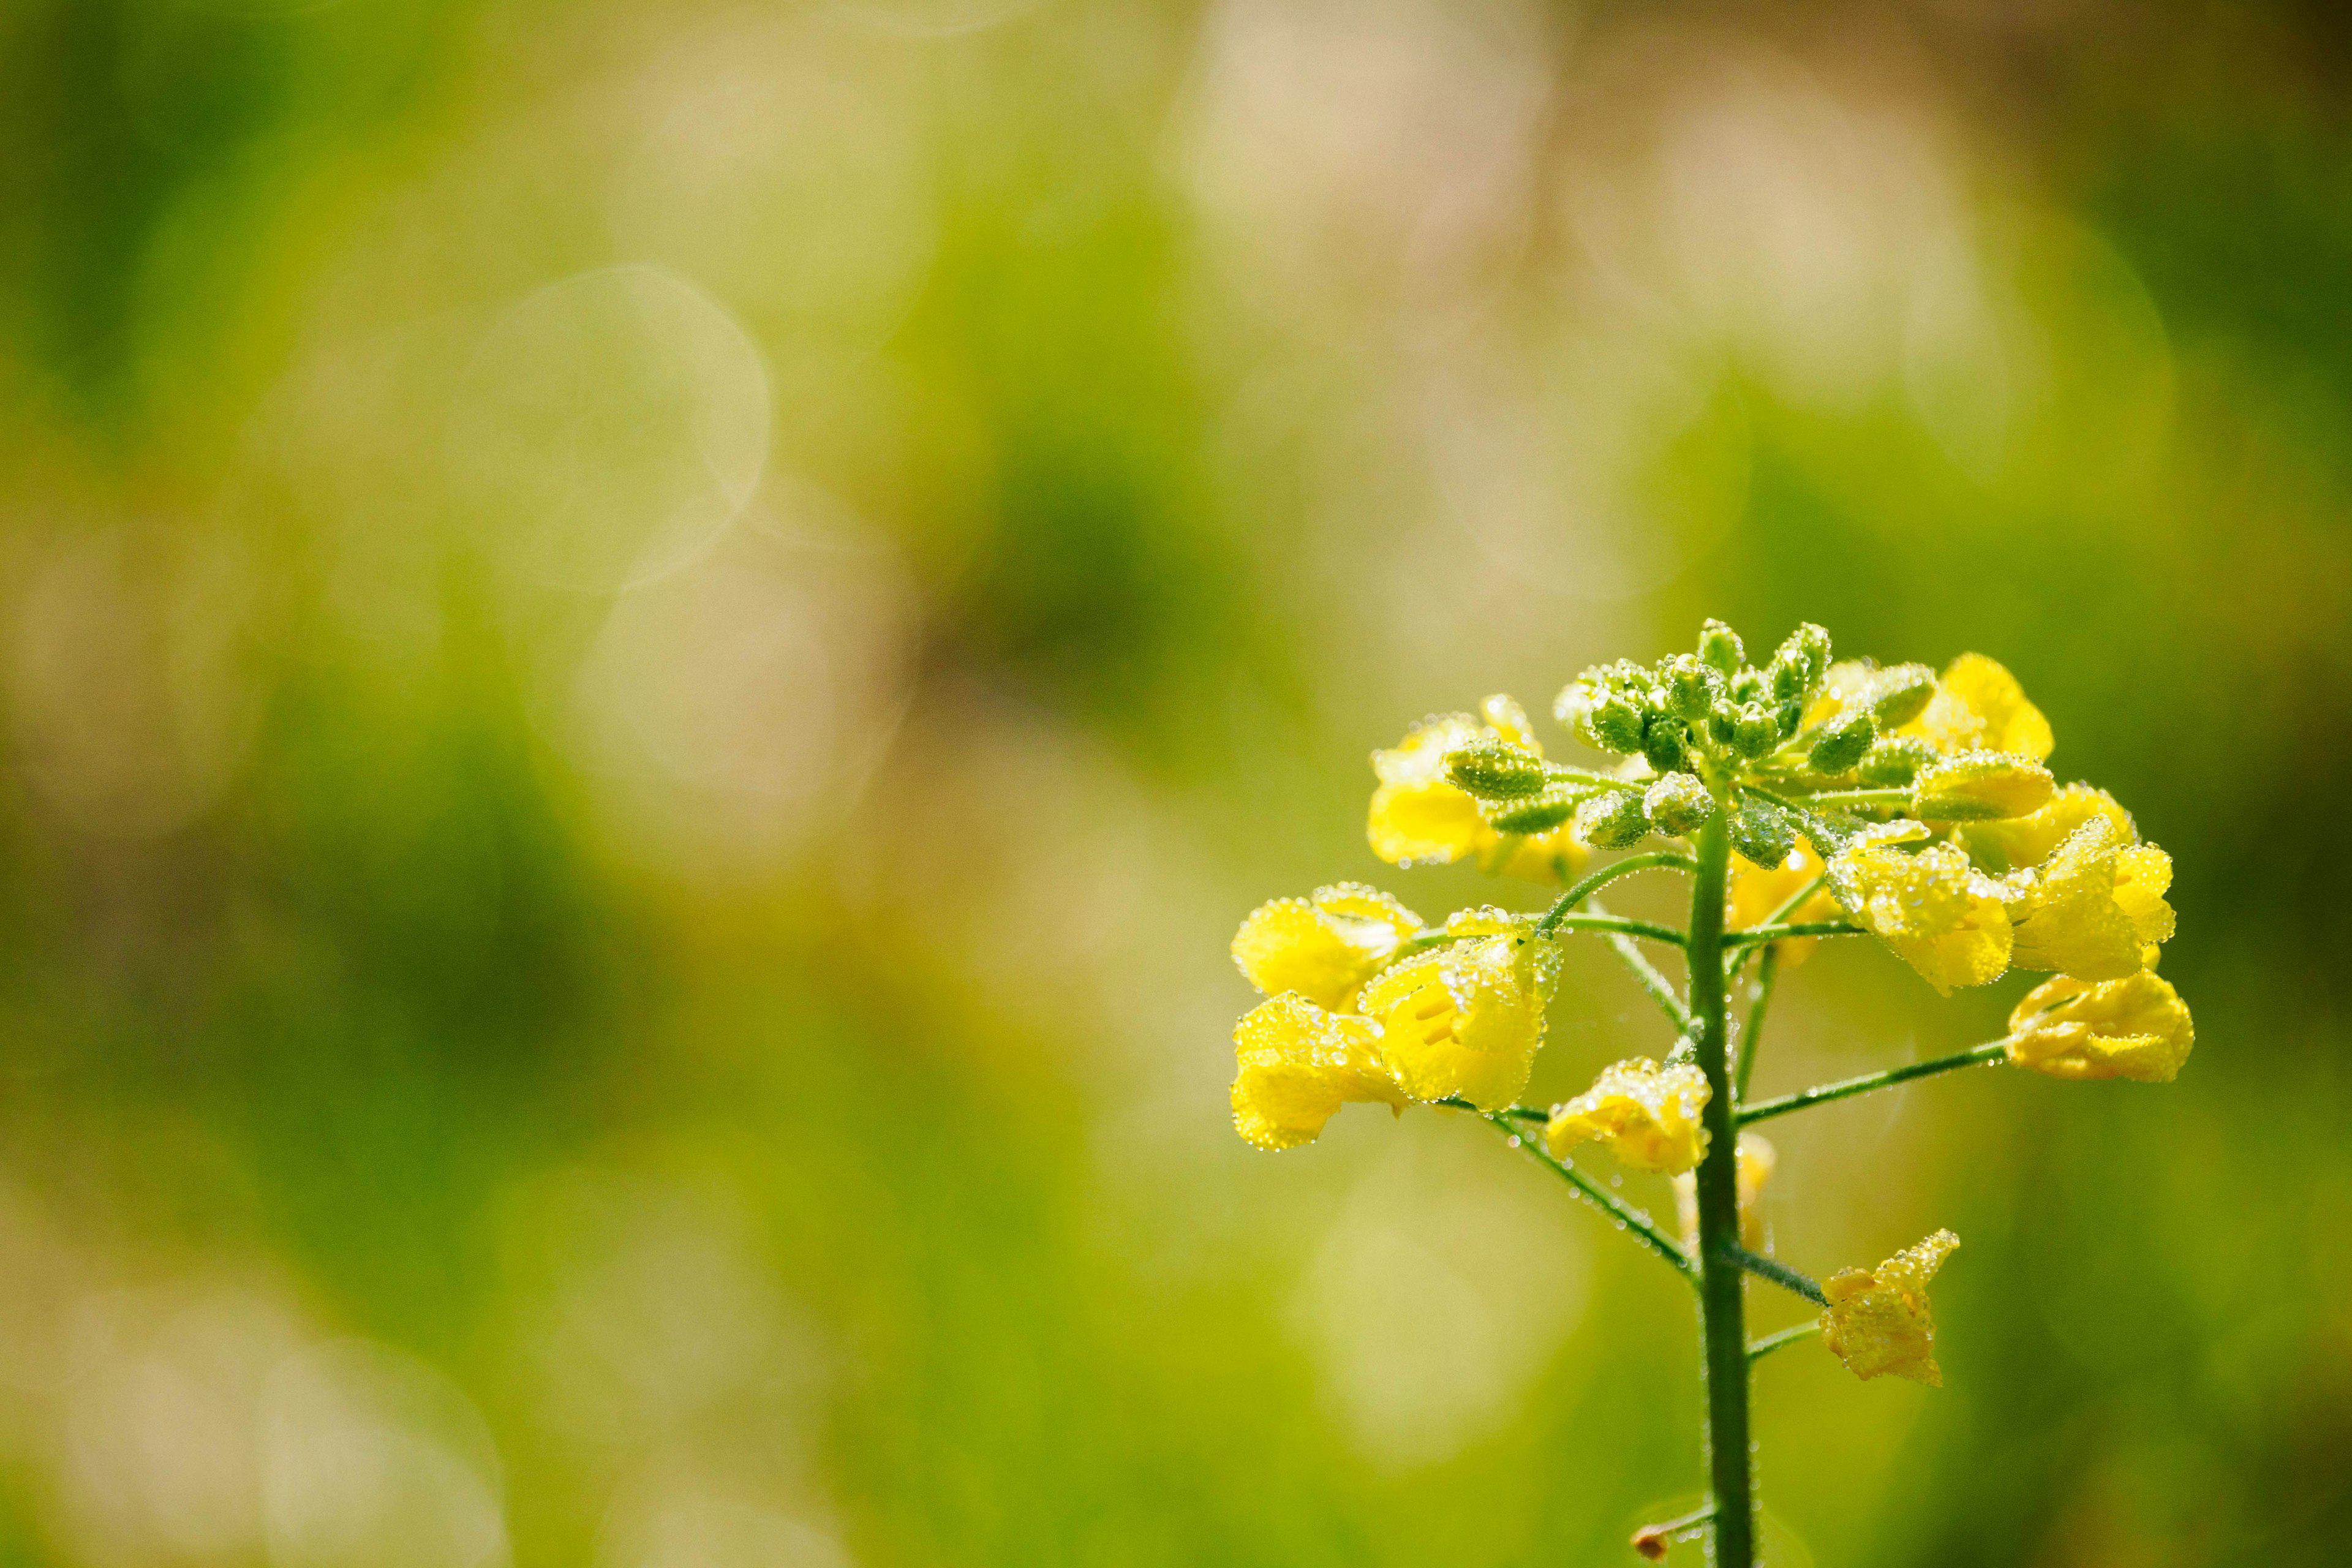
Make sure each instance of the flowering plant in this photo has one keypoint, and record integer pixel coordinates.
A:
(1804, 799)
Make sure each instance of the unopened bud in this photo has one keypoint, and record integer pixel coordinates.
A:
(1758, 731)
(1762, 832)
(1678, 803)
(1691, 686)
(1790, 717)
(1536, 813)
(1719, 647)
(1841, 743)
(1666, 741)
(1895, 760)
(1901, 694)
(1495, 770)
(1723, 721)
(1802, 661)
(1612, 820)
(1980, 786)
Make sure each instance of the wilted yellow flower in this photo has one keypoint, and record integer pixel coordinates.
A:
(1755, 892)
(1756, 1159)
(2027, 840)
(1323, 946)
(1298, 1063)
(1418, 814)
(2136, 1027)
(1980, 786)
(1939, 914)
(2092, 907)
(1878, 1321)
(1466, 1019)
(1979, 706)
(1647, 1115)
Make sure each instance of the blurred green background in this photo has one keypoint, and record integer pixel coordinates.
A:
(648, 652)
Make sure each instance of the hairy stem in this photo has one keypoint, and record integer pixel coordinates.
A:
(1603, 877)
(1784, 1276)
(1758, 1349)
(1722, 1272)
(1635, 1222)
(1754, 934)
(1845, 1089)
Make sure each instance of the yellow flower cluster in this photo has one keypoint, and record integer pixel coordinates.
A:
(1465, 1017)
(1646, 1115)
(1419, 816)
(1877, 1320)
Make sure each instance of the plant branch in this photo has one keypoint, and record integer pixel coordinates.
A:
(1756, 934)
(1516, 1112)
(1758, 1349)
(1767, 973)
(1779, 1274)
(1821, 1094)
(1634, 1220)
(1606, 875)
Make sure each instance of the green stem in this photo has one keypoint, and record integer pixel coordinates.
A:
(1821, 1094)
(1660, 989)
(1855, 797)
(1768, 971)
(1603, 877)
(1754, 934)
(1758, 1349)
(1516, 1112)
(1784, 1276)
(1619, 924)
(1722, 1274)
(1635, 1222)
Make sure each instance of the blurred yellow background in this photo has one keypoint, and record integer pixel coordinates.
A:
(648, 650)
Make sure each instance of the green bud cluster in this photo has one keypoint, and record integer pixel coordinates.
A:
(1701, 713)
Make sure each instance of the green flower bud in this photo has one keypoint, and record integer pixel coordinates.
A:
(1895, 760)
(1723, 721)
(1678, 803)
(1762, 832)
(1536, 813)
(1495, 770)
(1605, 706)
(1613, 819)
(1691, 686)
(1901, 694)
(1800, 662)
(1666, 741)
(1841, 743)
(1615, 726)
(1747, 686)
(1719, 647)
(1790, 717)
(1756, 732)
(1980, 786)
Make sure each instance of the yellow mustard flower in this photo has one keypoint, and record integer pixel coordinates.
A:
(1323, 946)
(1647, 1115)
(1756, 1160)
(1419, 815)
(2093, 907)
(1298, 1063)
(1878, 1323)
(2136, 1027)
(2027, 840)
(1939, 914)
(1980, 786)
(1979, 706)
(1466, 1019)
(1756, 891)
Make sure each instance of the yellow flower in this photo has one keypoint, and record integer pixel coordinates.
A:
(1755, 892)
(1324, 946)
(2136, 1027)
(1980, 786)
(1468, 1018)
(1418, 814)
(1647, 1115)
(2094, 907)
(1878, 1321)
(1979, 706)
(2027, 840)
(1756, 1159)
(1939, 914)
(1298, 1064)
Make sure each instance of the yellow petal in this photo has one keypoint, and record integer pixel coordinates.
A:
(1756, 1160)
(2136, 1027)
(1754, 893)
(1648, 1116)
(1324, 947)
(1878, 1322)
(1297, 1065)
(2088, 911)
(1466, 1019)
(1979, 706)
(1980, 786)
(1420, 816)
(1942, 915)
(2027, 840)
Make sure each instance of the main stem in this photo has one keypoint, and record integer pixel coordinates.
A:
(1722, 1302)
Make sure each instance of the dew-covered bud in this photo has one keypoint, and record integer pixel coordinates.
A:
(1800, 662)
(1747, 686)
(1612, 820)
(1495, 770)
(1980, 786)
(1893, 761)
(1901, 694)
(1691, 686)
(1605, 706)
(1790, 717)
(1758, 731)
(1841, 743)
(1536, 813)
(1678, 803)
(1666, 741)
(1719, 647)
(1723, 721)
(1763, 832)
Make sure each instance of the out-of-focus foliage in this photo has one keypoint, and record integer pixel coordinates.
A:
(647, 650)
